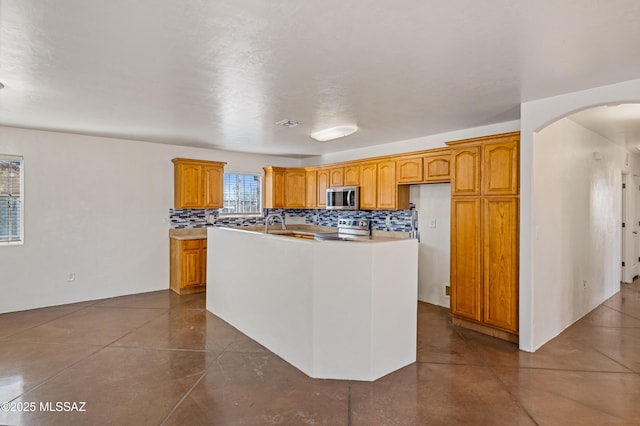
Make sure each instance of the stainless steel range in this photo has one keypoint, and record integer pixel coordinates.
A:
(348, 230)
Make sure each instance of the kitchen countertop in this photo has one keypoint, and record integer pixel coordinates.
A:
(201, 233)
(188, 234)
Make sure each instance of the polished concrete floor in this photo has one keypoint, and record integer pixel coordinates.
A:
(157, 358)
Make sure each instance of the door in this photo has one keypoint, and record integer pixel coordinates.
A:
(634, 226)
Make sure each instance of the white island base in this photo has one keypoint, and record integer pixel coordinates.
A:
(333, 309)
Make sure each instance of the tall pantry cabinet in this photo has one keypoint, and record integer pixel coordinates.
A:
(484, 234)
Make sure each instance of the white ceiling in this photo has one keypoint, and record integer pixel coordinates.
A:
(219, 74)
(618, 123)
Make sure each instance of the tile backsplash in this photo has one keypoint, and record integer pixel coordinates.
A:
(381, 220)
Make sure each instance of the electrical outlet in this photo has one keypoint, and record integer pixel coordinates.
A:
(432, 223)
(447, 290)
(71, 276)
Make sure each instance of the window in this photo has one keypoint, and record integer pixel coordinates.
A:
(11, 193)
(242, 194)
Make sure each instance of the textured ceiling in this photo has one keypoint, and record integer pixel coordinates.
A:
(219, 74)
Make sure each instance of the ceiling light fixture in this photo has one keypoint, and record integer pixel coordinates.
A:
(334, 132)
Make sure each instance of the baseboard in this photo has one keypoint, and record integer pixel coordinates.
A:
(500, 334)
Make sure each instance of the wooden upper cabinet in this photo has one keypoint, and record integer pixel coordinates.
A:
(465, 171)
(188, 186)
(213, 178)
(500, 262)
(437, 167)
(466, 275)
(337, 176)
(351, 175)
(323, 183)
(311, 193)
(500, 173)
(198, 184)
(409, 170)
(387, 185)
(274, 187)
(368, 186)
(294, 188)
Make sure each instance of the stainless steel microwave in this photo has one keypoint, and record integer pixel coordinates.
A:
(343, 198)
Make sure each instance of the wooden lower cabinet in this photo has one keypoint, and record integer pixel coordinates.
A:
(465, 258)
(484, 265)
(188, 265)
(500, 263)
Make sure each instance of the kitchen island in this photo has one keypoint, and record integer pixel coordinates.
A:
(333, 309)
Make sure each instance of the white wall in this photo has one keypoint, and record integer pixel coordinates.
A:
(433, 203)
(535, 292)
(97, 207)
(578, 216)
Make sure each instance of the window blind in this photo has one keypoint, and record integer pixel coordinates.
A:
(242, 194)
(10, 199)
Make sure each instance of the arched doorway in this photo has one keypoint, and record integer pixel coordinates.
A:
(559, 278)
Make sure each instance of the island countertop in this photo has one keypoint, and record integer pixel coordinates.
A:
(333, 309)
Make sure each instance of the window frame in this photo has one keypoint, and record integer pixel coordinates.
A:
(260, 211)
(17, 158)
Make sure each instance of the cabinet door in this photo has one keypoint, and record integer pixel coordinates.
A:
(387, 186)
(437, 168)
(500, 174)
(273, 187)
(465, 258)
(500, 260)
(369, 186)
(191, 263)
(278, 189)
(409, 170)
(337, 176)
(188, 186)
(294, 188)
(465, 178)
(352, 175)
(311, 192)
(323, 184)
(213, 181)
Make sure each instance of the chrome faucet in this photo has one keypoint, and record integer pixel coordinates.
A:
(269, 218)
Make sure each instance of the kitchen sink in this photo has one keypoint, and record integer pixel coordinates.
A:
(294, 234)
